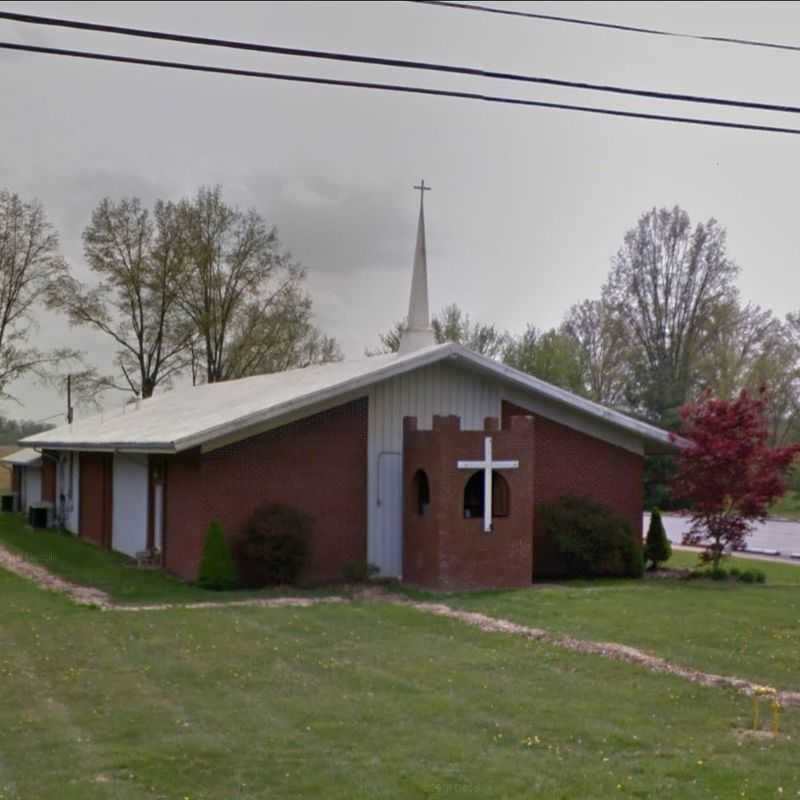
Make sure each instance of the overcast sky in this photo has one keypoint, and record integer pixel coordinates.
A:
(528, 206)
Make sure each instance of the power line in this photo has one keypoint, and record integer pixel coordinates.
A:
(389, 87)
(391, 62)
(608, 25)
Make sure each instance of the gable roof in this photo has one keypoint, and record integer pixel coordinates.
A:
(185, 418)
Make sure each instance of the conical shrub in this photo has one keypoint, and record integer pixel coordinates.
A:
(657, 548)
(217, 570)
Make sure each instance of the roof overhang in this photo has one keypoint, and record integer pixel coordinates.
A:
(27, 457)
(655, 439)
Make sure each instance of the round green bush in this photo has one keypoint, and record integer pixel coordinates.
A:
(591, 539)
(274, 547)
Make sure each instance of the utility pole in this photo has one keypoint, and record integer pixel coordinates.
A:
(69, 399)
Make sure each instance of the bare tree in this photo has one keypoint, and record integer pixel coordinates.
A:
(137, 256)
(279, 337)
(29, 263)
(664, 283)
(604, 350)
(243, 296)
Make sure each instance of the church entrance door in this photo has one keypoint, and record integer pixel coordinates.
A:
(390, 512)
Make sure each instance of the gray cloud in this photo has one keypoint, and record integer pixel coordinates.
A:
(528, 206)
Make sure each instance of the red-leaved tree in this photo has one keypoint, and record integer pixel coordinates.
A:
(727, 472)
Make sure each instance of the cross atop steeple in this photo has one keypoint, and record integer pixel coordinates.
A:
(418, 332)
(422, 188)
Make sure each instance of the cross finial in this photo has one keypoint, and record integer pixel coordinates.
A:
(422, 188)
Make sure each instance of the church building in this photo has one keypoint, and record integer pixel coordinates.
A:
(428, 462)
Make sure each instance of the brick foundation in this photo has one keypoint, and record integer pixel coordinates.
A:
(570, 462)
(317, 465)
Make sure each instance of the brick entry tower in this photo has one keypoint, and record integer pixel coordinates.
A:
(445, 544)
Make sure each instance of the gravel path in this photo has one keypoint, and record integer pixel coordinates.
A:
(80, 594)
(612, 650)
(87, 596)
(618, 652)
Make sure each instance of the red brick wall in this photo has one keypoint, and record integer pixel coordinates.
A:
(442, 549)
(318, 465)
(571, 462)
(96, 486)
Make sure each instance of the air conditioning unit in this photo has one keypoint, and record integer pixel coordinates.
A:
(40, 515)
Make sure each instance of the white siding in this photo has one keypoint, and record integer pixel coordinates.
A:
(68, 490)
(129, 519)
(31, 487)
(437, 389)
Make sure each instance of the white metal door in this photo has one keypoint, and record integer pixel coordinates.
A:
(33, 487)
(390, 513)
(129, 531)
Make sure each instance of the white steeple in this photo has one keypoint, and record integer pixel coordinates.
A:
(418, 332)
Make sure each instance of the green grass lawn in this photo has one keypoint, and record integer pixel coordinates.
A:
(349, 701)
(84, 563)
(752, 631)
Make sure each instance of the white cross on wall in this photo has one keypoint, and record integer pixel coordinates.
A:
(487, 465)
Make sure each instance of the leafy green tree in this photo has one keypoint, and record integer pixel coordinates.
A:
(552, 356)
(737, 337)
(657, 547)
(748, 348)
(778, 369)
(217, 570)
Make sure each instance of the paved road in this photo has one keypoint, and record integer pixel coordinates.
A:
(769, 535)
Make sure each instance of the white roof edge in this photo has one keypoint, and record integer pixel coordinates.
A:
(25, 457)
(157, 448)
(397, 366)
(409, 362)
(615, 418)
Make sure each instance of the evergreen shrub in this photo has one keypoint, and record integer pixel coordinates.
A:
(591, 539)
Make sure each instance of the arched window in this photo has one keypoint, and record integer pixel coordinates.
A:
(421, 492)
(473, 496)
(501, 496)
